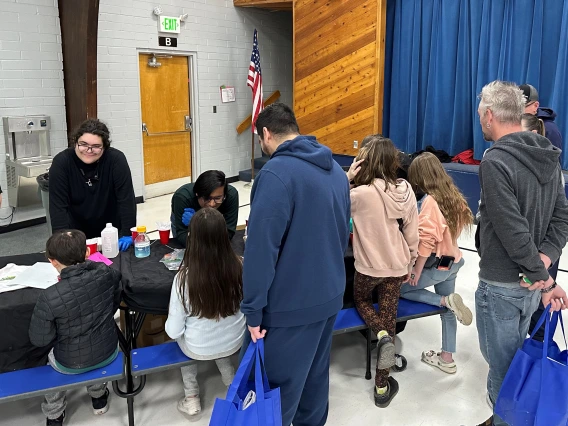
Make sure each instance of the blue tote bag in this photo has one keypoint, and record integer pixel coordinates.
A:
(535, 389)
(265, 411)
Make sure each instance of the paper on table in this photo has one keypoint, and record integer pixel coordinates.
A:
(97, 257)
(7, 276)
(41, 275)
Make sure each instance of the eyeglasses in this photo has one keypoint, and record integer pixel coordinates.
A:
(84, 147)
(218, 200)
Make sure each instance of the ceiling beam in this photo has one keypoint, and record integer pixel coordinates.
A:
(265, 4)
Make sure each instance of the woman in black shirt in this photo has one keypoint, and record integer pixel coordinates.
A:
(90, 185)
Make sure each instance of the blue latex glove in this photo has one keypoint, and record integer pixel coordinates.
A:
(124, 243)
(187, 215)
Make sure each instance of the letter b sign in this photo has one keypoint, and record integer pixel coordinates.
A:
(167, 41)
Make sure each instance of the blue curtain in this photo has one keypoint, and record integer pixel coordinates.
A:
(440, 53)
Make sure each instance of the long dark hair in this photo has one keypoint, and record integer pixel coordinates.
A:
(210, 279)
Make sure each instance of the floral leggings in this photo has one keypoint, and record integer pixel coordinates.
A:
(385, 319)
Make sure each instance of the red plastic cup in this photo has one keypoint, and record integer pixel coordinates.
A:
(164, 236)
(93, 246)
(134, 233)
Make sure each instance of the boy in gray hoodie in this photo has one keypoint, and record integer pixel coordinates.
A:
(524, 228)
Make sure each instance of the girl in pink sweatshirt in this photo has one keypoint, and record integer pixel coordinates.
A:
(385, 246)
(443, 216)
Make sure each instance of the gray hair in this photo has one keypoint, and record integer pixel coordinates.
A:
(505, 100)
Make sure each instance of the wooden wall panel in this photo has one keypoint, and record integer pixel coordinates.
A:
(338, 69)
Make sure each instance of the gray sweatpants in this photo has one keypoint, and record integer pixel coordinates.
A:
(189, 375)
(55, 403)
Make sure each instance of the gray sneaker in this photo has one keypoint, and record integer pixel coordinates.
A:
(454, 303)
(385, 353)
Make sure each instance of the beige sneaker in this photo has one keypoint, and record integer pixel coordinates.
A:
(432, 358)
(190, 405)
(454, 303)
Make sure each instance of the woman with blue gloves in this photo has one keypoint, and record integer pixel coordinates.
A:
(90, 185)
(209, 190)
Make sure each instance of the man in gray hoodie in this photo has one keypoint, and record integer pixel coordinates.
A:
(524, 228)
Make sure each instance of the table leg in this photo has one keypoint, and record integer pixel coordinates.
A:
(369, 350)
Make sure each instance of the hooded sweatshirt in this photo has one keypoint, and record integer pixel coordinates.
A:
(523, 208)
(298, 231)
(547, 115)
(381, 247)
(435, 235)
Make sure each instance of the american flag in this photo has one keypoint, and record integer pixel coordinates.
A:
(254, 80)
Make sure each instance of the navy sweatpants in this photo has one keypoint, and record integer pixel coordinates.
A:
(297, 361)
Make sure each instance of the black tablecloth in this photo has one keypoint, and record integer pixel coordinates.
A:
(16, 308)
(146, 283)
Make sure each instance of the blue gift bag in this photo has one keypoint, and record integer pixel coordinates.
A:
(266, 411)
(535, 389)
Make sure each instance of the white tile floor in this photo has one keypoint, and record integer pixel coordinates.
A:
(427, 397)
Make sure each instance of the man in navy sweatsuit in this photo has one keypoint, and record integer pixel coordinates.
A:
(294, 274)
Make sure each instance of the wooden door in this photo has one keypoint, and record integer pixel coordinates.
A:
(338, 70)
(166, 135)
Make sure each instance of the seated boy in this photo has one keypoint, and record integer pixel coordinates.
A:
(76, 316)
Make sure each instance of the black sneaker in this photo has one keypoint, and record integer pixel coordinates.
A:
(400, 363)
(56, 422)
(100, 405)
(383, 401)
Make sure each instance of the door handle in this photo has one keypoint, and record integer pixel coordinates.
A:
(145, 130)
(188, 123)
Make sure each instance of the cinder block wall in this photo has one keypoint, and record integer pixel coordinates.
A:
(31, 76)
(221, 37)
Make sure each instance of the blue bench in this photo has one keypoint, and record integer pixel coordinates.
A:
(153, 359)
(38, 381)
(168, 355)
(349, 320)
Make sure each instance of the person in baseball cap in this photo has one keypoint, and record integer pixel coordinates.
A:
(547, 115)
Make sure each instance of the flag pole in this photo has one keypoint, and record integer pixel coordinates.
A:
(252, 158)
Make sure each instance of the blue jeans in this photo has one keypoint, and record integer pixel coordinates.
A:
(503, 316)
(444, 283)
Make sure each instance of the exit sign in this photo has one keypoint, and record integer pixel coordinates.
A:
(169, 24)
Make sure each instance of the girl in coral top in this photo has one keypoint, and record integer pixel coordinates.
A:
(443, 216)
(385, 244)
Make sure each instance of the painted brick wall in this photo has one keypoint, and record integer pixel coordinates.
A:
(221, 35)
(31, 76)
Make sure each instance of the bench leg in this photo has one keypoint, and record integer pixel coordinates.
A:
(133, 326)
(369, 350)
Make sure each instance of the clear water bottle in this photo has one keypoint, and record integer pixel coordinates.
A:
(109, 238)
(142, 243)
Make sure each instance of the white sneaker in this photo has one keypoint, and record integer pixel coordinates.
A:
(189, 405)
(454, 303)
(432, 358)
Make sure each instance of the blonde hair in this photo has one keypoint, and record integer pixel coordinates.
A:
(381, 161)
(427, 175)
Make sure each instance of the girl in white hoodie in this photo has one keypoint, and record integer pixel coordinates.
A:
(204, 315)
(385, 246)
